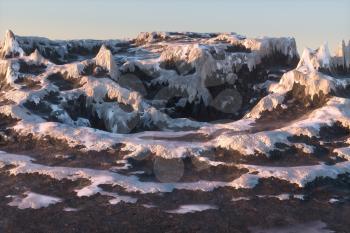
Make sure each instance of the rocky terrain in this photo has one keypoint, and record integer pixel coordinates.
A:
(173, 132)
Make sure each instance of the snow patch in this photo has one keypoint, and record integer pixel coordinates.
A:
(343, 152)
(33, 201)
(184, 209)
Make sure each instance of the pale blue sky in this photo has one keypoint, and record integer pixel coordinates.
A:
(311, 22)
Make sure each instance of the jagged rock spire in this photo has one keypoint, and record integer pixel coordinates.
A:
(105, 59)
(311, 60)
(37, 58)
(10, 47)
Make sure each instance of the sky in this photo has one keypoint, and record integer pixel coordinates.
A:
(311, 22)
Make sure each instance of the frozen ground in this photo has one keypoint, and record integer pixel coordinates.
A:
(173, 132)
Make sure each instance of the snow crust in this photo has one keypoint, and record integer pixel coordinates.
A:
(343, 152)
(33, 201)
(184, 209)
(24, 165)
(300, 176)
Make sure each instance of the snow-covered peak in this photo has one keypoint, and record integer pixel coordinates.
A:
(9, 34)
(312, 60)
(36, 58)
(10, 47)
(321, 58)
(324, 55)
(105, 59)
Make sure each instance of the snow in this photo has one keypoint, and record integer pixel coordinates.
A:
(148, 206)
(299, 196)
(10, 46)
(125, 199)
(69, 209)
(33, 200)
(314, 83)
(114, 117)
(116, 198)
(184, 209)
(37, 59)
(62, 156)
(336, 110)
(196, 55)
(240, 199)
(62, 48)
(267, 103)
(333, 200)
(194, 59)
(149, 37)
(24, 165)
(307, 149)
(300, 175)
(174, 139)
(312, 60)
(9, 70)
(245, 181)
(189, 56)
(231, 38)
(105, 59)
(281, 197)
(343, 152)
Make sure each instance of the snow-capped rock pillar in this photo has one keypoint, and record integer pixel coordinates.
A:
(105, 59)
(10, 47)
